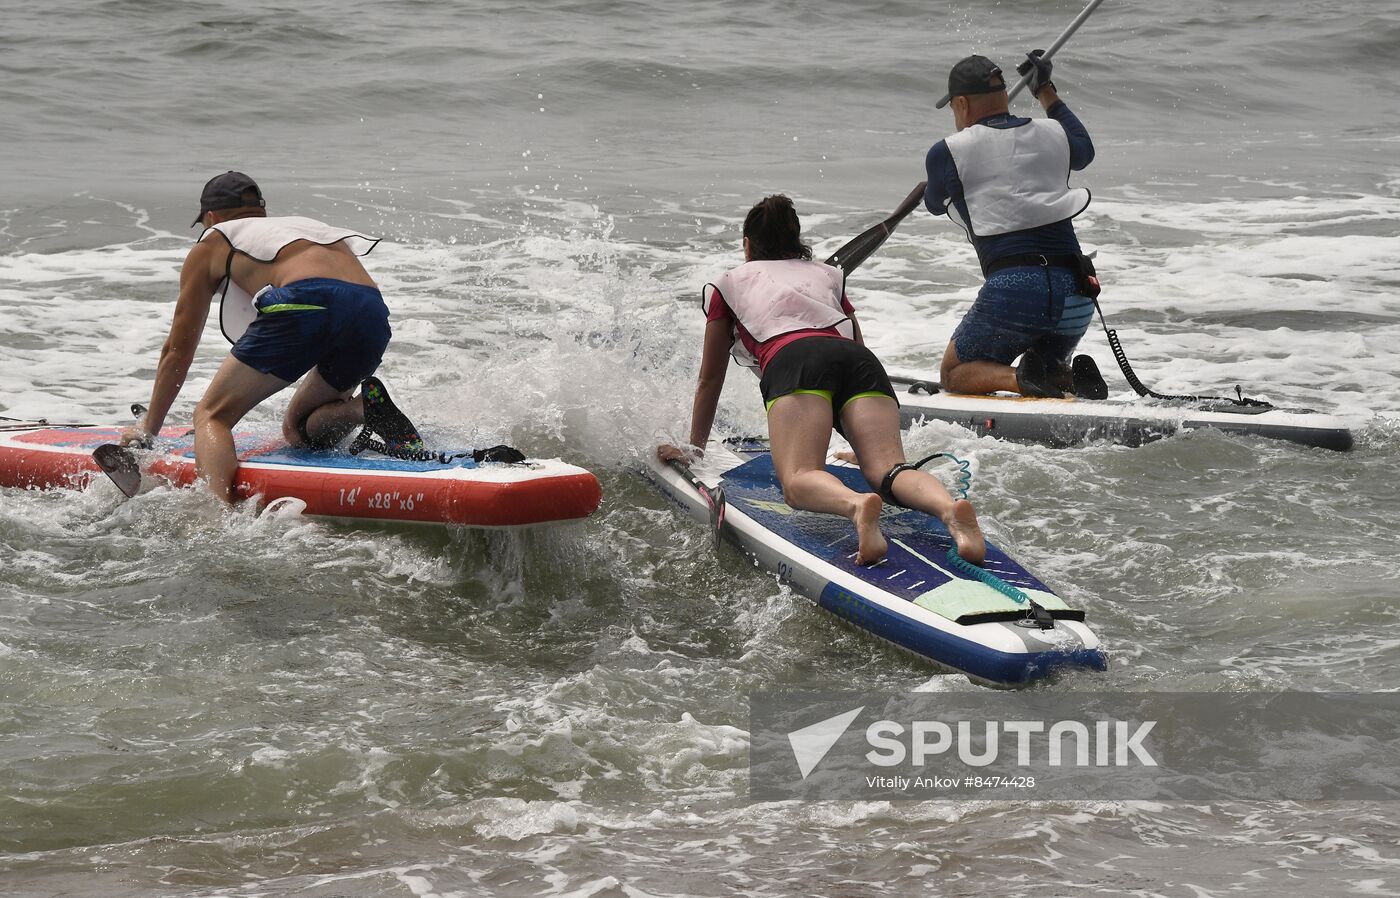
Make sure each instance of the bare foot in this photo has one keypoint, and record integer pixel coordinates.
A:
(867, 520)
(846, 455)
(962, 525)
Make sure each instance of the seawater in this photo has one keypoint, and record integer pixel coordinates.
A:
(198, 702)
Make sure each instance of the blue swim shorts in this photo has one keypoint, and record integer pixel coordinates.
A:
(338, 328)
(1024, 308)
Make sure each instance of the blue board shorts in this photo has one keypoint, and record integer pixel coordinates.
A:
(1022, 309)
(338, 328)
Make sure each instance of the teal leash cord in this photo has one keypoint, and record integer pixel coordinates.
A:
(987, 577)
(1043, 619)
(963, 475)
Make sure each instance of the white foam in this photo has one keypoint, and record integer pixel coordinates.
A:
(420, 885)
(597, 337)
(515, 819)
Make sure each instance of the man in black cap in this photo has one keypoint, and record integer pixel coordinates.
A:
(295, 301)
(1004, 179)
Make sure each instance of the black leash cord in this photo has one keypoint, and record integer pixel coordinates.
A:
(1143, 390)
(501, 454)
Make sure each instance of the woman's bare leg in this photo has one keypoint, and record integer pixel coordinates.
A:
(799, 429)
(872, 426)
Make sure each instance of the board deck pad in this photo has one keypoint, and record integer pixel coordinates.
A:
(916, 569)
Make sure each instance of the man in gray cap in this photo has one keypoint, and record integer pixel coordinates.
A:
(294, 301)
(1005, 180)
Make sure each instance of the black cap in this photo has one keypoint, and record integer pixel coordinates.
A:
(975, 75)
(231, 190)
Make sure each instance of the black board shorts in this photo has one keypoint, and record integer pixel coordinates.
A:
(833, 367)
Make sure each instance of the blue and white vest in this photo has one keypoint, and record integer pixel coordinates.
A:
(1014, 179)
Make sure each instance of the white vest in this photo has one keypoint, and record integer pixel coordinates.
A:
(775, 297)
(1014, 178)
(263, 239)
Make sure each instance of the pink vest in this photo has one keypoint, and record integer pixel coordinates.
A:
(775, 297)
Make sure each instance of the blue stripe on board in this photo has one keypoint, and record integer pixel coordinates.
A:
(341, 461)
(248, 447)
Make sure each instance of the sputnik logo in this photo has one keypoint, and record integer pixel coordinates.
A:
(811, 743)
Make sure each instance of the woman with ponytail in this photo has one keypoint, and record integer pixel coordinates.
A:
(788, 317)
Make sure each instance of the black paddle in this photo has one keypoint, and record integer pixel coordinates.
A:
(714, 496)
(36, 425)
(849, 257)
(119, 462)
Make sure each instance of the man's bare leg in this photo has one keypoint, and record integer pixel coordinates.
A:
(235, 390)
(330, 414)
(975, 378)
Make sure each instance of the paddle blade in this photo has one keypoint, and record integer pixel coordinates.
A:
(118, 463)
(849, 257)
(718, 504)
(713, 496)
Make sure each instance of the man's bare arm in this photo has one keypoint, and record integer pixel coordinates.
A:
(191, 312)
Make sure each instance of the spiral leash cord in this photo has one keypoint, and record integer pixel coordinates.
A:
(963, 474)
(1043, 619)
(1034, 611)
(1142, 389)
(987, 577)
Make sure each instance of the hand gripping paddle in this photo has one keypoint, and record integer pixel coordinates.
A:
(1054, 48)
